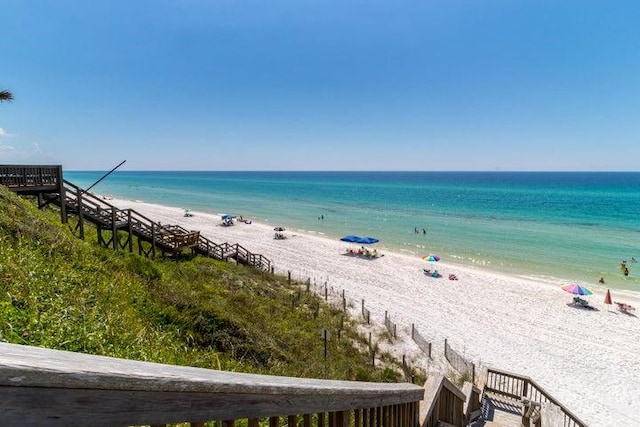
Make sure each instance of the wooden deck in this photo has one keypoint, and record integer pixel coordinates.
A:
(117, 228)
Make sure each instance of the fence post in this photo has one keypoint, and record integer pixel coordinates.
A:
(289, 276)
(413, 328)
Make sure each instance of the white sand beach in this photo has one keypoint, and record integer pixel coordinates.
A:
(587, 359)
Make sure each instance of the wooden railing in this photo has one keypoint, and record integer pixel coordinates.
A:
(42, 387)
(443, 403)
(523, 388)
(30, 177)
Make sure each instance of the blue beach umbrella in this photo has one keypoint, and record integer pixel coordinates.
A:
(362, 240)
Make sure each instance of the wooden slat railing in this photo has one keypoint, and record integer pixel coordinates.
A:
(41, 387)
(521, 387)
(443, 403)
(30, 177)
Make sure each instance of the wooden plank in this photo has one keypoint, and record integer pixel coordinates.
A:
(40, 385)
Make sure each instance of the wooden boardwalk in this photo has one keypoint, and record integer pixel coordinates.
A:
(117, 227)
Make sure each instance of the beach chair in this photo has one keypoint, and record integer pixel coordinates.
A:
(581, 302)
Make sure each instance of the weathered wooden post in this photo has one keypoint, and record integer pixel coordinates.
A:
(80, 212)
(130, 226)
(63, 196)
(114, 231)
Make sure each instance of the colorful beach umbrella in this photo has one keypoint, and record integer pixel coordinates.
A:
(431, 258)
(576, 289)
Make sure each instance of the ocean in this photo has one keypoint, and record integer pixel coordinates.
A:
(561, 226)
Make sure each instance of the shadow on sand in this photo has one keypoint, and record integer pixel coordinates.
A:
(582, 307)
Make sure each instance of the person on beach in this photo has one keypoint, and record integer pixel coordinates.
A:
(424, 231)
(601, 280)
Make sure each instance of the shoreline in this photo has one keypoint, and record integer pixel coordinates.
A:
(515, 323)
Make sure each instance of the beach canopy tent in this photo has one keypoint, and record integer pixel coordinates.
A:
(362, 240)
(227, 219)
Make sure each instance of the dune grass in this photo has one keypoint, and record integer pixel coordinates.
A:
(60, 292)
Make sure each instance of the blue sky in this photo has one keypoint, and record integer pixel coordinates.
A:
(321, 85)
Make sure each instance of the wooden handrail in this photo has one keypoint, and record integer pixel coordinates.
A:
(30, 176)
(443, 403)
(50, 387)
(521, 387)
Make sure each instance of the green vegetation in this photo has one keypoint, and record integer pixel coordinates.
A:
(60, 292)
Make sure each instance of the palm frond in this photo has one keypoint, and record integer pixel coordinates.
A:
(5, 95)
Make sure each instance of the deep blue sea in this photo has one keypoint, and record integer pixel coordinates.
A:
(576, 227)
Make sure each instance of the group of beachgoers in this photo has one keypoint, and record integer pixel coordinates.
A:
(436, 274)
(363, 252)
(624, 268)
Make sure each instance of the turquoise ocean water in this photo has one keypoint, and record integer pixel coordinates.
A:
(571, 226)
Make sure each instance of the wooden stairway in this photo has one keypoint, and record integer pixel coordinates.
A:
(117, 227)
(167, 238)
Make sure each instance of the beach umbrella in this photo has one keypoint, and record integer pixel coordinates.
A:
(607, 298)
(367, 240)
(576, 289)
(431, 258)
(362, 240)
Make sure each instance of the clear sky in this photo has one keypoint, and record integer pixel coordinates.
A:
(321, 85)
